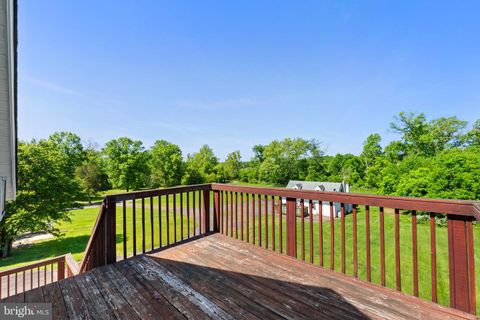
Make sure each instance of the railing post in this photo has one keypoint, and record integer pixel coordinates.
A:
(461, 263)
(206, 210)
(110, 241)
(216, 208)
(61, 269)
(292, 227)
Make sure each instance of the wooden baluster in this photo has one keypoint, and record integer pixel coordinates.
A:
(167, 201)
(241, 216)
(174, 218)
(367, 242)
(160, 221)
(216, 211)
(342, 215)
(280, 224)
(310, 216)
(231, 214)
(201, 213)
(320, 231)
(332, 238)
(355, 251)
(433, 257)
(265, 203)
(415, 253)
(8, 286)
(134, 227)
(151, 223)
(16, 282)
(124, 221)
(38, 277)
(45, 275)
(302, 226)
(273, 222)
(143, 225)
(188, 215)
(31, 279)
(259, 208)
(253, 218)
(227, 217)
(181, 216)
(398, 275)
(292, 227)
(382, 247)
(248, 216)
(236, 215)
(24, 283)
(51, 274)
(221, 212)
(194, 213)
(206, 210)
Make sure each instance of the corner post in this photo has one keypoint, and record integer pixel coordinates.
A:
(292, 227)
(206, 210)
(61, 269)
(110, 238)
(216, 208)
(461, 263)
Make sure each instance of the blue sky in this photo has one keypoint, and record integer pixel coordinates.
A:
(232, 74)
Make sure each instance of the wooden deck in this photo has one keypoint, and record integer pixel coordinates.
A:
(221, 278)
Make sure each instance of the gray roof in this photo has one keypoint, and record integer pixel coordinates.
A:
(312, 185)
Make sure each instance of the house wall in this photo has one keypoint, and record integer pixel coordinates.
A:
(7, 97)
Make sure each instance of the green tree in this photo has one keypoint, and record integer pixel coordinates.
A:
(285, 160)
(127, 163)
(473, 136)
(232, 165)
(166, 164)
(200, 166)
(92, 174)
(46, 191)
(428, 138)
(71, 145)
(371, 150)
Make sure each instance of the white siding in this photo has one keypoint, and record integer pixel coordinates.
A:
(7, 122)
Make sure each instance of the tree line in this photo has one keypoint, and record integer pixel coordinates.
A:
(435, 158)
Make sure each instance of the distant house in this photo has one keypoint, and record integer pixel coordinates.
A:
(323, 187)
(8, 101)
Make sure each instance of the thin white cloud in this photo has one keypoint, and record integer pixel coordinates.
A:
(50, 86)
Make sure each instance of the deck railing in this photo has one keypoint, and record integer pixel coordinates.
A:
(21, 279)
(147, 220)
(379, 241)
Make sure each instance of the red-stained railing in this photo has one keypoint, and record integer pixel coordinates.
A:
(149, 220)
(21, 279)
(375, 238)
(377, 246)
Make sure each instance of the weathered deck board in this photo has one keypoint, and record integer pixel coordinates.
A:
(217, 277)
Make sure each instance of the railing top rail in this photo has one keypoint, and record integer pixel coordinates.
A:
(32, 265)
(455, 207)
(155, 192)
